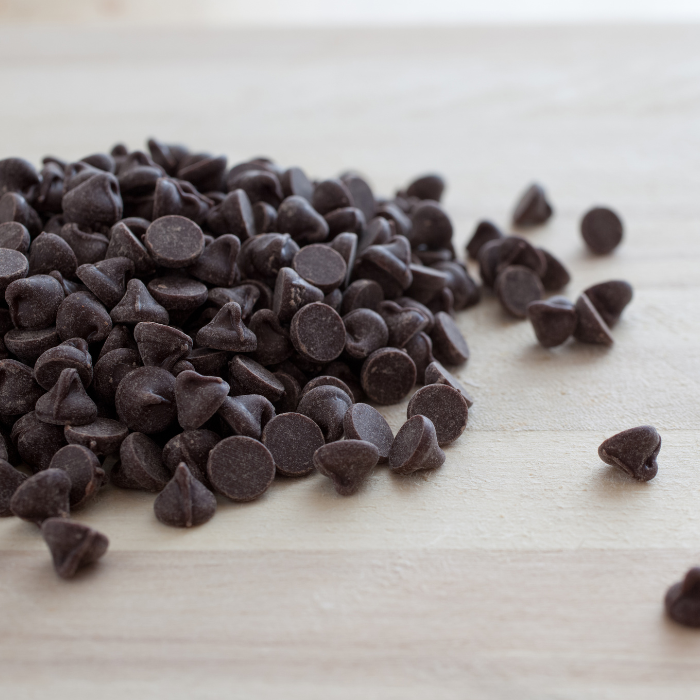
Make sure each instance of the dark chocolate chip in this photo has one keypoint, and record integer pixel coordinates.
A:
(245, 295)
(178, 293)
(107, 279)
(265, 217)
(415, 447)
(94, 200)
(555, 276)
(262, 257)
(111, 369)
(515, 250)
(273, 343)
(321, 266)
(191, 447)
(73, 354)
(101, 161)
(208, 361)
(241, 468)
(420, 350)
(44, 495)
(259, 185)
(28, 345)
(247, 414)
(610, 299)
(361, 193)
(160, 345)
(396, 216)
(464, 289)
(294, 182)
(174, 241)
(14, 236)
(326, 405)
(449, 345)
(14, 207)
(517, 287)
(388, 374)
(34, 301)
(227, 331)
(72, 545)
(84, 471)
(429, 186)
(81, 315)
(184, 502)
(88, 246)
(140, 465)
(362, 422)
(233, 215)
(388, 265)
(317, 332)
(489, 258)
(18, 389)
(37, 442)
(484, 232)
(292, 440)
(326, 380)
(66, 403)
(13, 266)
(379, 230)
(366, 331)
(431, 226)
(444, 406)
(330, 195)
(103, 436)
(362, 294)
(553, 320)
(18, 175)
(601, 229)
(346, 219)
(292, 292)
(591, 328)
(138, 306)
(145, 399)
(403, 323)
(124, 244)
(217, 264)
(435, 373)
(205, 172)
(683, 600)
(634, 451)
(347, 464)
(11, 479)
(198, 398)
(532, 208)
(246, 376)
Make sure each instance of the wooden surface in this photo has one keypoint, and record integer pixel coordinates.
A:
(524, 567)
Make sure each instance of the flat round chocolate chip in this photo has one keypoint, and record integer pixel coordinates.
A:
(362, 422)
(103, 436)
(321, 266)
(445, 407)
(83, 468)
(318, 333)
(174, 241)
(241, 468)
(601, 229)
(517, 287)
(292, 439)
(178, 293)
(388, 374)
(449, 345)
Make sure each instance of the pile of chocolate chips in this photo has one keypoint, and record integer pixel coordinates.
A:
(185, 328)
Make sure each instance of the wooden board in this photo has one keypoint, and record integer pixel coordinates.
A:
(524, 567)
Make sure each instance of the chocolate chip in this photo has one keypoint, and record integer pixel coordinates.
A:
(379, 230)
(321, 266)
(415, 447)
(515, 250)
(111, 369)
(366, 331)
(259, 185)
(184, 502)
(88, 246)
(634, 451)
(326, 380)
(262, 257)
(233, 215)
(205, 172)
(330, 195)
(449, 345)
(107, 279)
(145, 399)
(317, 332)
(465, 291)
(66, 402)
(246, 376)
(84, 471)
(388, 265)
(81, 315)
(431, 226)
(435, 373)
(37, 442)
(292, 440)
(295, 182)
(517, 287)
(403, 323)
(140, 465)
(553, 320)
(388, 374)
(247, 414)
(14, 236)
(345, 219)
(174, 241)
(34, 301)
(207, 361)
(14, 207)
(217, 264)
(18, 175)
(124, 244)
(137, 306)
(18, 389)
(683, 600)
(485, 231)
(178, 293)
(273, 343)
(103, 436)
(362, 422)
(489, 257)
(347, 464)
(245, 295)
(533, 208)
(360, 192)
(72, 545)
(420, 350)
(73, 354)
(398, 218)
(291, 293)
(198, 398)
(241, 468)
(609, 299)
(591, 328)
(445, 407)
(265, 217)
(362, 294)
(191, 447)
(11, 479)
(601, 229)
(555, 275)
(95, 199)
(326, 405)
(160, 345)
(227, 332)
(44, 495)
(13, 266)
(429, 186)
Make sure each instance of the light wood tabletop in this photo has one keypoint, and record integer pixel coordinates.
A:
(524, 567)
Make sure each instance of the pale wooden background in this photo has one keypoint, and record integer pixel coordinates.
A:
(524, 567)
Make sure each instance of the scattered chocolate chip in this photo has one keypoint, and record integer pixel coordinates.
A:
(44, 495)
(533, 208)
(174, 241)
(555, 275)
(326, 380)
(191, 447)
(66, 403)
(14, 207)
(330, 195)
(124, 244)
(403, 322)
(420, 350)
(160, 345)
(137, 306)
(145, 399)
(683, 600)
(226, 331)
(518, 286)
(465, 291)
(295, 182)
(320, 266)
(103, 436)
(241, 468)
(233, 215)
(435, 373)
(198, 398)
(246, 376)
(591, 328)
(634, 451)
(429, 186)
(431, 226)
(259, 185)
(111, 369)
(345, 219)
(81, 315)
(107, 279)
(247, 414)
(347, 463)
(18, 389)
(265, 217)
(37, 442)
(387, 376)
(140, 465)
(18, 175)
(263, 256)
(361, 193)
(185, 501)
(34, 301)
(292, 292)
(366, 331)
(609, 299)
(14, 236)
(88, 246)
(317, 332)
(292, 439)
(362, 422)
(553, 320)
(28, 346)
(445, 407)
(449, 345)
(72, 545)
(273, 343)
(50, 252)
(178, 293)
(415, 447)
(13, 266)
(484, 233)
(388, 265)
(217, 263)
(11, 479)
(326, 405)
(362, 294)
(601, 229)
(84, 471)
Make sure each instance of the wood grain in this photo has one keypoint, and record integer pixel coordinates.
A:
(524, 567)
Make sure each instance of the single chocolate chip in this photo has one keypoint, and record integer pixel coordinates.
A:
(361, 193)
(28, 346)
(160, 345)
(347, 464)
(429, 186)
(326, 405)
(198, 398)
(174, 241)
(330, 195)
(178, 293)
(591, 328)
(292, 292)
(464, 289)
(292, 440)
(379, 230)
(37, 442)
(449, 345)
(489, 257)
(241, 468)
(103, 436)
(246, 376)
(366, 331)
(273, 343)
(34, 301)
(14, 236)
(140, 465)
(84, 471)
(73, 354)
(683, 600)
(295, 182)
(14, 207)
(515, 250)
(601, 229)
(553, 320)
(227, 331)
(431, 226)
(445, 407)
(435, 373)
(13, 266)
(107, 279)
(362, 294)
(362, 422)
(517, 287)
(247, 414)
(207, 361)
(321, 266)
(388, 265)
(18, 389)
(184, 502)
(191, 447)
(124, 244)
(532, 208)
(72, 545)
(333, 299)
(415, 447)
(81, 315)
(205, 172)
(11, 479)
(262, 257)
(387, 376)
(326, 380)
(634, 451)
(18, 175)
(89, 247)
(66, 403)
(111, 369)
(217, 264)
(233, 215)
(396, 216)
(420, 350)
(345, 219)
(555, 275)
(265, 217)
(44, 495)
(50, 193)
(317, 332)
(485, 231)
(137, 306)
(245, 295)
(292, 391)
(145, 399)
(95, 199)
(259, 185)
(403, 323)
(609, 299)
